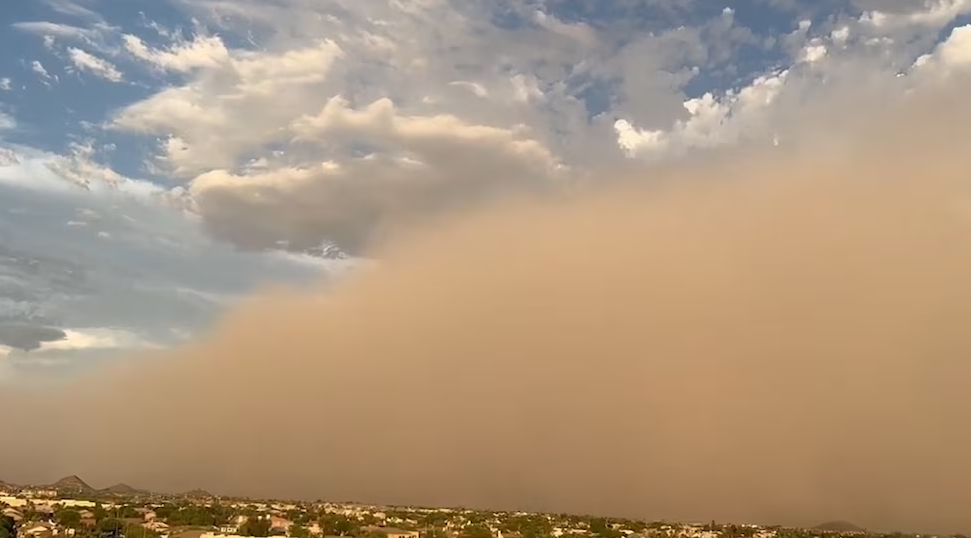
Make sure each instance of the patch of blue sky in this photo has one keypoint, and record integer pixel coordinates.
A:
(52, 113)
(131, 155)
(597, 94)
(643, 15)
(768, 23)
(765, 19)
(506, 15)
(961, 20)
(630, 19)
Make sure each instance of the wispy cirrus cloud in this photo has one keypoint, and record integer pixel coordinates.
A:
(90, 63)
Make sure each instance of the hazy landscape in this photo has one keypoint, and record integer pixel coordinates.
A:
(698, 269)
(71, 507)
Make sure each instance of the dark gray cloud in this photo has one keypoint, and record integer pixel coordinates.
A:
(112, 269)
(28, 337)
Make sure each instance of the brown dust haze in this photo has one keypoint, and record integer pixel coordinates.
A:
(779, 337)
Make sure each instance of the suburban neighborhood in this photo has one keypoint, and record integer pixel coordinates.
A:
(70, 507)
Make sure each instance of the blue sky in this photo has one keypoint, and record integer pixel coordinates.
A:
(188, 145)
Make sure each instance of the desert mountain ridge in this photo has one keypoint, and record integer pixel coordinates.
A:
(72, 483)
(123, 489)
(198, 494)
(76, 485)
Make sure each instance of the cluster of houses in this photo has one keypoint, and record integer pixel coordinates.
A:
(43, 505)
(16, 508)
(34, 513)
(46, 505)
(280, 529)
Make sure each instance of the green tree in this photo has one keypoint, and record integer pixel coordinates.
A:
(300, 517)
(8, 528)
(432, 519)
(528, 526)
(255, 526)
(195, 516)
(603, 528)
(476, 531)
(68, 518)
(337, 525)
(110, 527)
(299, 531)
(137, 531)
(127, 512)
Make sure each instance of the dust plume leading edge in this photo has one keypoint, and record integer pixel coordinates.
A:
(774, 338)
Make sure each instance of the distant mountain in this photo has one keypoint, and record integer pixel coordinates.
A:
(72, 484)
(123, 489)
(838, 526)
(198, 494)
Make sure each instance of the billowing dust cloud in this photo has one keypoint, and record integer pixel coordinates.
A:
(777, 337)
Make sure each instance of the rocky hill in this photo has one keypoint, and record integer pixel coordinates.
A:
(122, 489)
(72, 484)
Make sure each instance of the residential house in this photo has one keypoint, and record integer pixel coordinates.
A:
(157, 526)
(87, 518)
(13, 514)
(279, 525)
(44, 509)
(39, 493)
(192, 533)
(39, 530)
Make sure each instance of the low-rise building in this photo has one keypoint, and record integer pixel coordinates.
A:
(13, 514)
(279, 525)
(75, 503)
(156, 526)
(37, 530)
